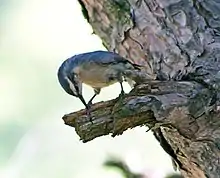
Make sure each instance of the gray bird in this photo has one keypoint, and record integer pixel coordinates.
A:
(97, 69)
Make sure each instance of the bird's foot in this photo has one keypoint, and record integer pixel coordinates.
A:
(88, 113)
(121, 94)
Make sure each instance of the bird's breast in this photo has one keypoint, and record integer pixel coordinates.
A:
(96, 76)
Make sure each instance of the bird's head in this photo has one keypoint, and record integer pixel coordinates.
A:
(67, 80)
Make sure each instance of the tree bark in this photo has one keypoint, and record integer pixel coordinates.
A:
(178, 43)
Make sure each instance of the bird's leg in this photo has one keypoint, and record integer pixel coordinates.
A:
(90, 101)
(87, 107)
(97, 91)
(78, 86)
(120, 80)
(122, 89)
(122, 92)
(83, 101)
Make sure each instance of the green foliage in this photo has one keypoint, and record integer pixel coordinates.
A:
(126, 172)
(174, 176)
(122, 167)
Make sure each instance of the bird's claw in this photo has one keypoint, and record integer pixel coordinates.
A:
(88, 113)
(121, 94)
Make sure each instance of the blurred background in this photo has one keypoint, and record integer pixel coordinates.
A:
(36, 36)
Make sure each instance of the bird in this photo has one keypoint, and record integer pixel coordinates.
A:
(97, 69)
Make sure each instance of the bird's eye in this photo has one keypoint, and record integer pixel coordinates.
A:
(71, 77)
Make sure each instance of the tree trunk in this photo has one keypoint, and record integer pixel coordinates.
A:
(178, 42)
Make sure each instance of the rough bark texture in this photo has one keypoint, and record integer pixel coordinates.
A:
(178, 42)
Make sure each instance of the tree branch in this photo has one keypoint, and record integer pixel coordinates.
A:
(168, 108)
(148, 104)
(173, 40)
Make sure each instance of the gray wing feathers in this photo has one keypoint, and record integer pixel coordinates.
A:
(104, 57)
(101, 58)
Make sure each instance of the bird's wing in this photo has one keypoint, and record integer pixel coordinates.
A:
(106, 57)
